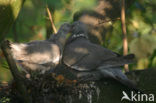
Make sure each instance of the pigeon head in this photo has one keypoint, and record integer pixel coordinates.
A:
(64, 29)
(62, 35)
(79, 30)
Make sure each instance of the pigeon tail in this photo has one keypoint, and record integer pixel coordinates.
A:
(118, 75)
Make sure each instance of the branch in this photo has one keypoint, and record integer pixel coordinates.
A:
(16, 74)
(106, 21)
(125, 43)
(51, 20)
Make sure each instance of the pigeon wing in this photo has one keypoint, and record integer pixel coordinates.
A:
(83, 55)
(39, 52)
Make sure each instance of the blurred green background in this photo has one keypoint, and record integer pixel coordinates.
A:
(32, 24)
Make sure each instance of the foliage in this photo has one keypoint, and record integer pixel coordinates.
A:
(9, 10)
(4, 100)
(141, 27)
(32, 24)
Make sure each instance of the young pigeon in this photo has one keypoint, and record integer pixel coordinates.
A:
(41, 55)
(91, 61)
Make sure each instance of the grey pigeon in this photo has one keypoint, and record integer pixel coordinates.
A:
(41, 55)
(91, 61)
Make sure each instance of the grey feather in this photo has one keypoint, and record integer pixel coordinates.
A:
(41, 55)
(82, 55)
(94, 61)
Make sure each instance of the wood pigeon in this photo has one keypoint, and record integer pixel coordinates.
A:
(91, 61)
(41, 55)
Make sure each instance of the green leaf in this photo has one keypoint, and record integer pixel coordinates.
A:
(9, 10)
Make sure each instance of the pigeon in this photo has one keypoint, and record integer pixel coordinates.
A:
(90, 61)
(41, 56)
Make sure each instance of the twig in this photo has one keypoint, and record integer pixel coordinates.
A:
(125, 43)
(105, 21)
(51, 20)
(15, 73)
